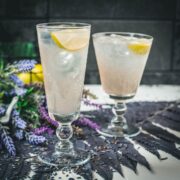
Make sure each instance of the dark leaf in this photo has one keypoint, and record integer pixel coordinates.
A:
(110, 157)
(128, 163)
(158, 144)
(142, 139)
(168, 122)
(103, 170)
(131, 153)
(159, 132)
(85, 171)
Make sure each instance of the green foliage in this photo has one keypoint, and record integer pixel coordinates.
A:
(27, 104)
(18, 49)
(28, 107)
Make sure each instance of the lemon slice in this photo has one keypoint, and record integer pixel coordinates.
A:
(71, 40)
(140, 48)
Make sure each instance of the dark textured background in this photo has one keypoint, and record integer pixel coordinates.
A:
(159, 18)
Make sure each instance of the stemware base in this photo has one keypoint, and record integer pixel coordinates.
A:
(118, 127)
(58, 159)
(110, 131)
(64, 153)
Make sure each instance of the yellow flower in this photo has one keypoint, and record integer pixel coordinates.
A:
(34, 76)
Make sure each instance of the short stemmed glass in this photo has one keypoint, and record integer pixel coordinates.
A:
(121, 59)
(63, 50)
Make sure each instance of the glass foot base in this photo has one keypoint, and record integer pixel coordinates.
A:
(112, 131)
(75, 158)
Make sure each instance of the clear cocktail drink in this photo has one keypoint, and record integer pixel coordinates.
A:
(63, 51)
(121, 59)
(63, 68)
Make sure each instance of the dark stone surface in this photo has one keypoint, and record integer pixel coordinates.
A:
(148, 9)
(19, 33)
(18, 30)
(177, 9)
(23, 33)
(22, 9)
(136, 9)
(2, 7)
(176, 60)
(92, 77)
(161, 78)
(82, 9)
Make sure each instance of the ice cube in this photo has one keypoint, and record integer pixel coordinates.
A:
(114, 45)
(45, 36)
(77, 64)
(118, 46)
(65, 61)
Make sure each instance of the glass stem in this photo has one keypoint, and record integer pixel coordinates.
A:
(119, 119)
(64, 132)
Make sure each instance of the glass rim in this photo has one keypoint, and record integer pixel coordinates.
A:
(131, 34)
(63, 25)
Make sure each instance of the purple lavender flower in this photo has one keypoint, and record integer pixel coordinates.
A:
(50, 131)
(17, 121)
(43, 129)
(16, 80)
(2, 111)
(34, 139)
(40, 130)
(25, 65)
(7, 141)
(20, 91)
(83, 121)
(44, 115)
(19, 134)
(15, 113)
(11, 93)
(89, 103)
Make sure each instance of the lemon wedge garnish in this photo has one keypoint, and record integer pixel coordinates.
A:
(140, 48)
(72, 40)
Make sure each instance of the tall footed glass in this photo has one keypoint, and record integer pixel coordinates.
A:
(63, 51)
(121, 59)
